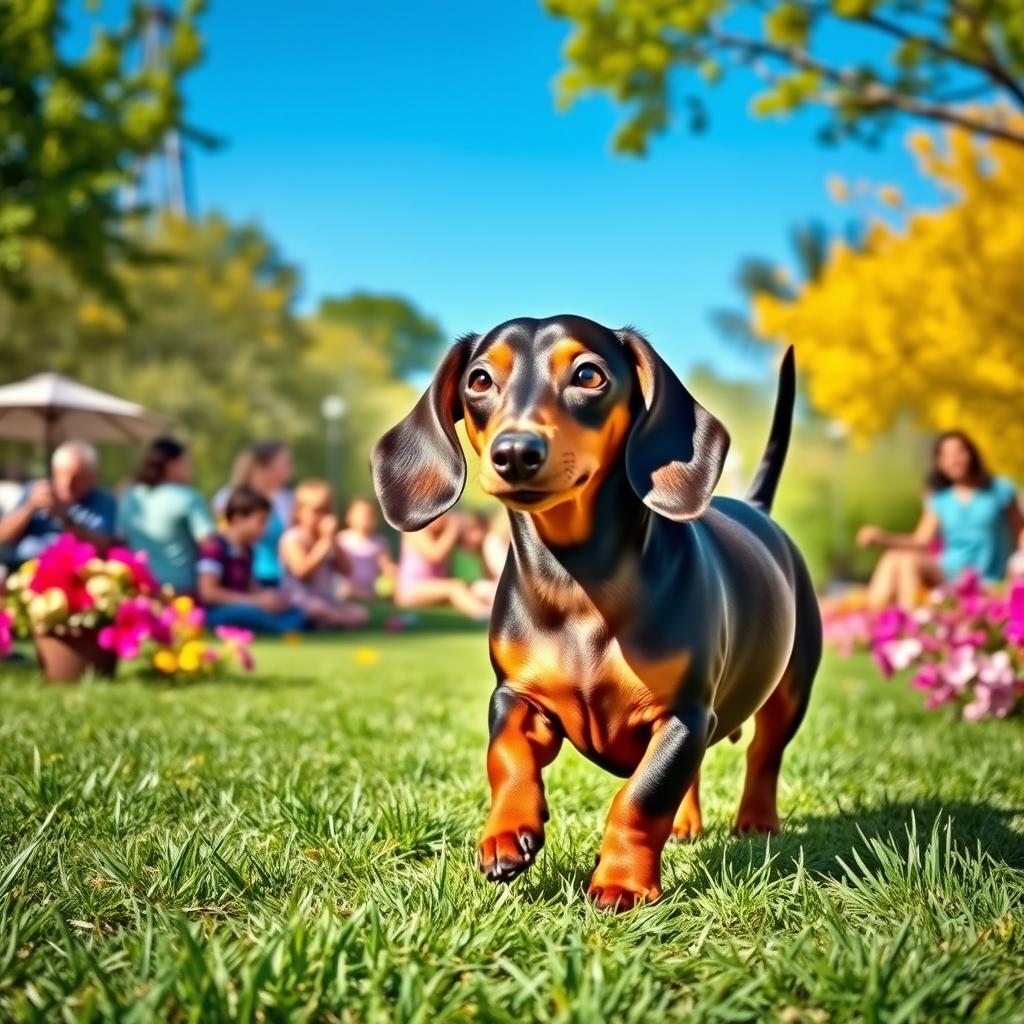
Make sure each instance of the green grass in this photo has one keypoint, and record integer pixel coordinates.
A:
(301, 846)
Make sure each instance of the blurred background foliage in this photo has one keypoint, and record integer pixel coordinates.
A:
(199, 319)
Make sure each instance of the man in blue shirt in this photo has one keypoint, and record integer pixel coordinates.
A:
(69, 502)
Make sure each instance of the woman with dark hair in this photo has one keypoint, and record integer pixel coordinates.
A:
(162, 515)
(971, 520)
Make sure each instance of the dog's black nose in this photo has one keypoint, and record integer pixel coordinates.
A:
(517, 455)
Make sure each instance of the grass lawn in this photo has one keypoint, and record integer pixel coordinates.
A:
(301, 846)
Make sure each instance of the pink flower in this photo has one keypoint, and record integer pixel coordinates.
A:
(1015, 623)
(940, 695)
(6, 622)
(60, 567)
(928, 677)
(897, 655)
(968, 584)
(960, 667)
(142, 578)
(890, 624)
(993, 700)
(135, 623)
(237, 642)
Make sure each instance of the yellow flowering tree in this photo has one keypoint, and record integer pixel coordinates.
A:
(927, 317)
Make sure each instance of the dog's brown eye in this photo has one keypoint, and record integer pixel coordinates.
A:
(480, 381)
(588, 376)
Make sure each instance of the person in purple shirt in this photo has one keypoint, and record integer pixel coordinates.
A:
(227, 588)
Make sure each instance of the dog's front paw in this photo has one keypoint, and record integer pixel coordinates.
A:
(502, 855)
(620, 888)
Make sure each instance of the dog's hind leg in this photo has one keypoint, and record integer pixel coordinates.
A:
(688, 822)
(779, 718)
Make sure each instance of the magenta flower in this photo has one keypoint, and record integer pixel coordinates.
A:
(1015, 621)
(60, 567)
(968, 584)
(137, 564)
(237, 642)
(960, 667)
(134, 624)
(890, 624)
(928, 677)
(6, 633)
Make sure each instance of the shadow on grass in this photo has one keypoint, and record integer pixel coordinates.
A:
(825, 838)
(822, 838)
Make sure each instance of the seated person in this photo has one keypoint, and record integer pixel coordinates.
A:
(69, 502)
(162, 515)
(314, 563)
(496, 544)
(369, 559)
(468, 560)
(424, 570)
(971, 513)
(227, 588)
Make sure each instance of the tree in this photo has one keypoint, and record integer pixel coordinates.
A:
(71, 131)
(926, 318)
(209, 338)
(923, 58)
(388, 324)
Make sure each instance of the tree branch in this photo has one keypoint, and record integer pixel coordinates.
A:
(874, 95)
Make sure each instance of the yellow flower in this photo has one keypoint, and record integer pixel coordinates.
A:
(99, 587)
(183, 605)
(118, 570)
(190, 657)
(366, 656)
(165, 661)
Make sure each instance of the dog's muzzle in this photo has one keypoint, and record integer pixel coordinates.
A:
(517, 455)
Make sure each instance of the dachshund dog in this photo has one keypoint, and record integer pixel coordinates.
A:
(636, 617)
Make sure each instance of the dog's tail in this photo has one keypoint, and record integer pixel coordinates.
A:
(766, 480)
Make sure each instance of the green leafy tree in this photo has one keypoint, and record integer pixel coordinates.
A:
(865, 62)
(209, 338)
(390, 325)
(71, 131)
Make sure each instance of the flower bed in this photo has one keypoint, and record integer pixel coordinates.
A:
(964, 646)
(70, 591)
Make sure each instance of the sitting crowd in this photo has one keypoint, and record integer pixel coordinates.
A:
(261, 556)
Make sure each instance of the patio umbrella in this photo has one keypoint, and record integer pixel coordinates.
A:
(49, 408)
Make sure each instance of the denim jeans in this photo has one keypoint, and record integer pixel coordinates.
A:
(248, 616)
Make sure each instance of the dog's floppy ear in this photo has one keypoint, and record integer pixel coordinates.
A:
(418, 467)
(676, 448)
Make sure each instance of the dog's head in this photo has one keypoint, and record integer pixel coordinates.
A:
(550, 406)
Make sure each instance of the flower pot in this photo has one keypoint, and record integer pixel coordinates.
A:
(68, 657)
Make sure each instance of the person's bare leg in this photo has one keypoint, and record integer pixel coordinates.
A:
(882, 589)
(917, 571)
(445, 591)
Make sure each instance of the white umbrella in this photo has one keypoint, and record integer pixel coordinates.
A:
(50, 408)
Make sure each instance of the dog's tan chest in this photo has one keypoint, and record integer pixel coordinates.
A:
(605, 702)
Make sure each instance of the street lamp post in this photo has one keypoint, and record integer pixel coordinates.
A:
(332, 408)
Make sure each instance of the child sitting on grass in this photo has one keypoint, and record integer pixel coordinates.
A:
(226, 585)
(369, 560)
(314, 562)
(424, 571)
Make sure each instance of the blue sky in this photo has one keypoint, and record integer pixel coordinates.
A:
(415, 148)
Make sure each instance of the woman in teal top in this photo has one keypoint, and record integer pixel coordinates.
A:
(971, 522)
(165, 517)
